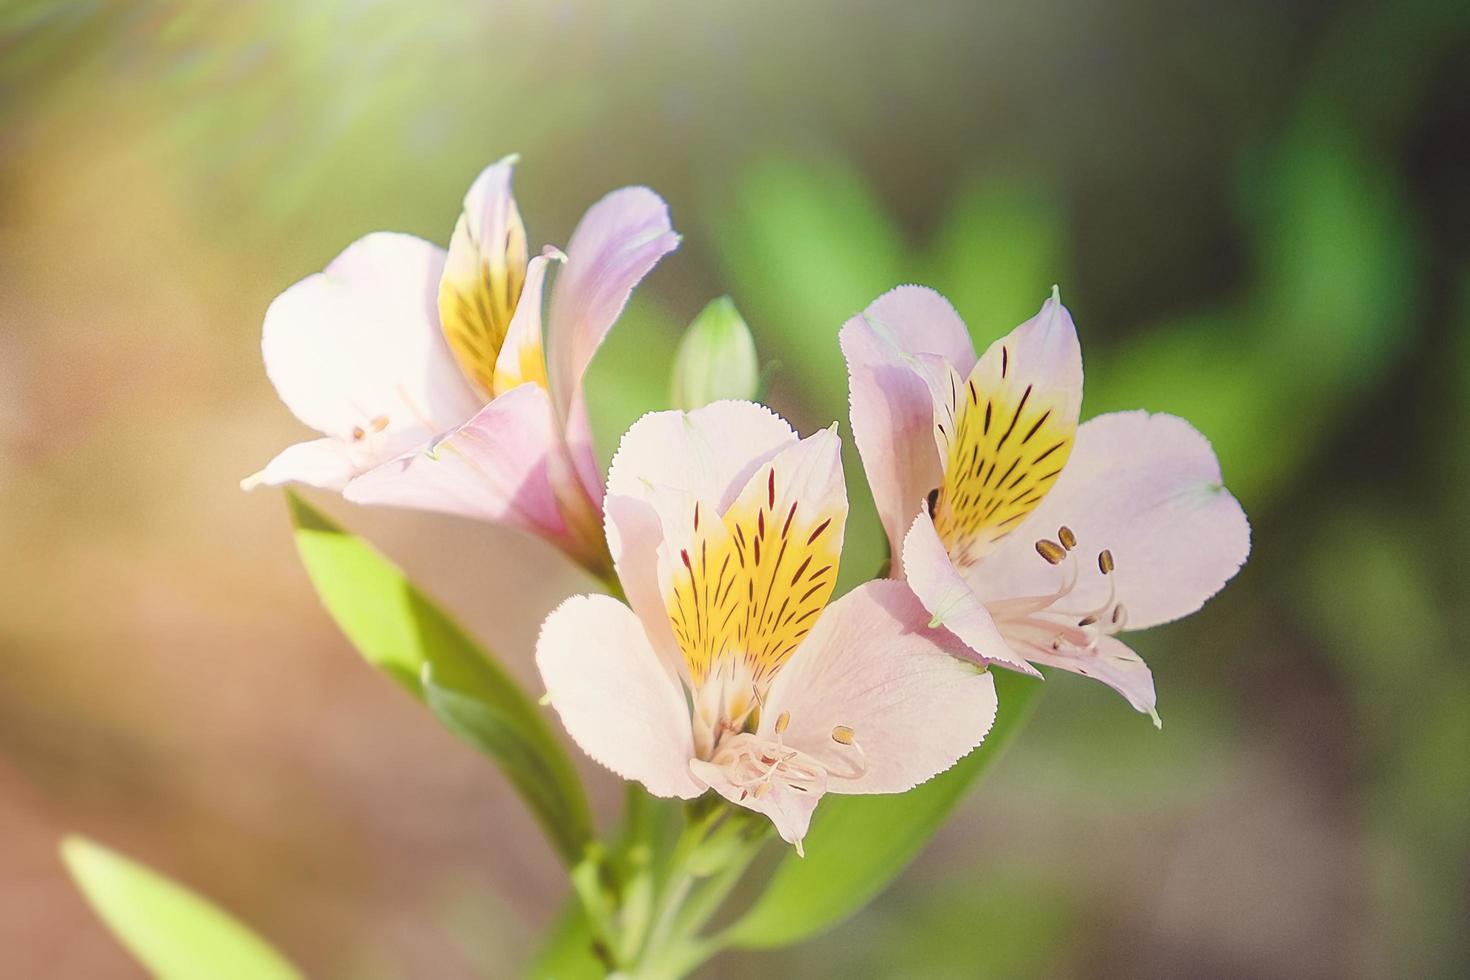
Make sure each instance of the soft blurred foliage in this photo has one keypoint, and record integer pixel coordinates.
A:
(1257, 212)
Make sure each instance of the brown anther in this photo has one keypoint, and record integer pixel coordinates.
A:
(1119, 614)
(1105, 561)
(1051, 551)
(1068, 539)
(842, 735)
(782, 722)
(358, 434)
(1086, 620)
(933, 500)
(380, 423)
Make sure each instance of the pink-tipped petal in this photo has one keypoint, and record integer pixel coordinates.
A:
(495, 467)
(891, 410)
(1148, 489)
(355, 351)
(1117, 666)
(709, 453)
(874, 670)
(618, 242)
(613, 695)
(949, 599)
(581, 450)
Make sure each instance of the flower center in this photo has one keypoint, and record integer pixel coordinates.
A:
(1043, 623)
(746, 591)
(483, 279)
(1004, 445)
(754, 764)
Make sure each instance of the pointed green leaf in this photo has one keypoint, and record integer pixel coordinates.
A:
(858, 844)
(402, 632)
(499, 731)
(173, 932)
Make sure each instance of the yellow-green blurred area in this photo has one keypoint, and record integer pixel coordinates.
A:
(1259, 214)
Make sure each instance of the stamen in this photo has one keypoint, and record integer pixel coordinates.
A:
(1051, 551)
(842, 735)
(933, 500)
(358, 435)
(380, 423)
(1086, 621)
(782, 722)
(1104, 561)
(1068, 539)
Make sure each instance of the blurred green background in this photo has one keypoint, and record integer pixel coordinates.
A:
(1259, 214)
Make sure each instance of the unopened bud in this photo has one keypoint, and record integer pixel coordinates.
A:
(716, 358)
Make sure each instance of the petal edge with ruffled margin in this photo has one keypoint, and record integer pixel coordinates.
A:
(358, 347)
(949, 600)
(614, 697)
(890, 407)
(618, 242)
(874, 666)
(495, 467)
(709, 453)
(1148, 489)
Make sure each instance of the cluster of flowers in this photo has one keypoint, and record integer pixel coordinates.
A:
(1018, 536)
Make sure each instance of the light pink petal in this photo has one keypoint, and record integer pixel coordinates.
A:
(325, 463)
(634, 536)
(948, 598)
(891, 411)
(618, 242)
(495, 467)
(1117, 666)
(789, 810)
(581, 450)
(873, 666)
(357, 348)
(613, 695)
(1148, 489)
(709, 453)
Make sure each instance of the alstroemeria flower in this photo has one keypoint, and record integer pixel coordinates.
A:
(1031, 538)
(730, 670)
(425, 370)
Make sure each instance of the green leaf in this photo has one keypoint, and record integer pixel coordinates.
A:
(499, 731)
(173, 932)
(568, 951)
(402, 632)
(858, 844)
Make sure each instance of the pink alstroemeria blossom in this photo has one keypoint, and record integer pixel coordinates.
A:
(727, 669)
(425, 371)
(1031, 538)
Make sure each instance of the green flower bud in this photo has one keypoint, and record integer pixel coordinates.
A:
(716, 358)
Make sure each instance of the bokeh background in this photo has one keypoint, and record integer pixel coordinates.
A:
(1258, 212)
